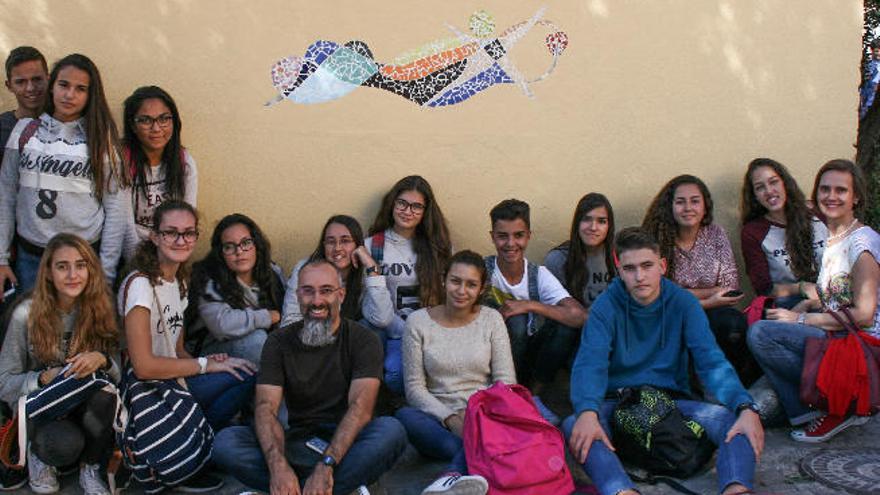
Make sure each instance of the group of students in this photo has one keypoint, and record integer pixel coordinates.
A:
(275, 364)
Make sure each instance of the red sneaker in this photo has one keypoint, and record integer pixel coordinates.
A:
(825, 427)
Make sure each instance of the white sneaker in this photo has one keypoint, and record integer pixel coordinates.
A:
(42, 477)
(457, 484)
(90, 480)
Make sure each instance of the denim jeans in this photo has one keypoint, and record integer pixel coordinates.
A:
(86, 434)
(248, 347)
(374, 451)
(26, 266)
(542, 354)
(221, 396)
(735, 462)
(432, 439)
(779, 348)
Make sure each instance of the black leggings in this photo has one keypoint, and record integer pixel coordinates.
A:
(729, 326)
(85, 435)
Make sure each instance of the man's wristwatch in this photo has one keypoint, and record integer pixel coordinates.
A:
(203, 365)
(748, 405)
(328, 461)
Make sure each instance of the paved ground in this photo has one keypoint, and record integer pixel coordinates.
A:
(778, 471)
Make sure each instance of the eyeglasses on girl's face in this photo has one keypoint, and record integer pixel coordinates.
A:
(171, 236)
(230, 248)
(146, 122)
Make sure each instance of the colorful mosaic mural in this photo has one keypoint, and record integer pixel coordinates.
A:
(440, 73)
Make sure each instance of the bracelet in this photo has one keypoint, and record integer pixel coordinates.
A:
(802, 319)
(203, 365)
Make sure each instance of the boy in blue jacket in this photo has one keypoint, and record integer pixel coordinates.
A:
(640, 332)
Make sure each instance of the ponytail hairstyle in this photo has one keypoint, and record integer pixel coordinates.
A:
(798, 217)
(575, 268)
(431, 242)
(102, 136)
(171, 155)
(661, 224)
(146, 258)
(95, 328)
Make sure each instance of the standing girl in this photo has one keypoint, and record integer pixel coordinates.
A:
(152, 301)
(62, 174)
(366, 292)
(782, 241)
(700, 259)
(451, 351)
(848, 278)
(158, 165)
(409, 240)
(238, 291)
(67, 321)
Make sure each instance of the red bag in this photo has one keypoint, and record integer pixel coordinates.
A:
(841, 370)
(507, 442)
(757, 308)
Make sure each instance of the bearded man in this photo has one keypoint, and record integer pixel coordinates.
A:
(328, 371)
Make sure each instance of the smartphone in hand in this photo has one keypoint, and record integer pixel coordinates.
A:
(319, 445)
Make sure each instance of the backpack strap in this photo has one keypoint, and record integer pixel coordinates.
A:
(377, 247)
(27, 133)
(534, 294)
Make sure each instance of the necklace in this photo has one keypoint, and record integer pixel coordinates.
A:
(844, 233)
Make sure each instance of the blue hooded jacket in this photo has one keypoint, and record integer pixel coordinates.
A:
(625, 344)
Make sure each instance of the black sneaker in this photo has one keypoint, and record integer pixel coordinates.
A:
(12, 479)
(201, 482)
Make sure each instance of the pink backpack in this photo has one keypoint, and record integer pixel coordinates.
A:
(507, 442)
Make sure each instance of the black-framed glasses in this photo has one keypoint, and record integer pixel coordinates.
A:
(172, 236)
(311, 291)
(146, 122)
(403, 205)
(230, 248)
(342, 241)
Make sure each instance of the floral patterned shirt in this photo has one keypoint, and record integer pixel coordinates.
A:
(835, 277)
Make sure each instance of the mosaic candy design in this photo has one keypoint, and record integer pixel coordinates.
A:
(440, 73)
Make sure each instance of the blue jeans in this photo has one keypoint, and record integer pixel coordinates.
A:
(542, 354)
(779, 349)
(735, 463)
(374, 451)
(431, 439)
(249, 347)
(26, 266)
(393, 363)
(221, 396)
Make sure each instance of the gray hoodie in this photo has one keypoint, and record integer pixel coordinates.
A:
(46, 189)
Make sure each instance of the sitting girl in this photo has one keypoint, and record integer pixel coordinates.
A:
(848, 278)
(67, 321)
(152, 301)
(366, 293)
(782, 242)
(238, 289)
(451, 351)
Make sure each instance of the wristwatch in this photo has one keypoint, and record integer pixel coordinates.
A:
(203, 365)
(748, 405)
(329, 461)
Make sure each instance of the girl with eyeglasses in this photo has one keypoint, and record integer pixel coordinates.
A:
(157, 164)
(238, 292)
(410, 242)
(68, 320)
(366, 293)
(152, 301)
(62, 172)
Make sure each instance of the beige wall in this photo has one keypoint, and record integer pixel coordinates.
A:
(645, 91)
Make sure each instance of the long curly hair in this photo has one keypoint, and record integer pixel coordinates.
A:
(798, 217)
(96, 326)
(431, 243)
(146, 258)
(213, 267)
(171, 155)
(354, 285)
(575, 268)
(102, 137)
(660, 222)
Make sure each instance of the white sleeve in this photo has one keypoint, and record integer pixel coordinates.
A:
(140, 293)
(190, 179)
(290, 312)
(865, 240)
(549, 288)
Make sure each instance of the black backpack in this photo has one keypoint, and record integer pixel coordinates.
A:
(652, 434)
